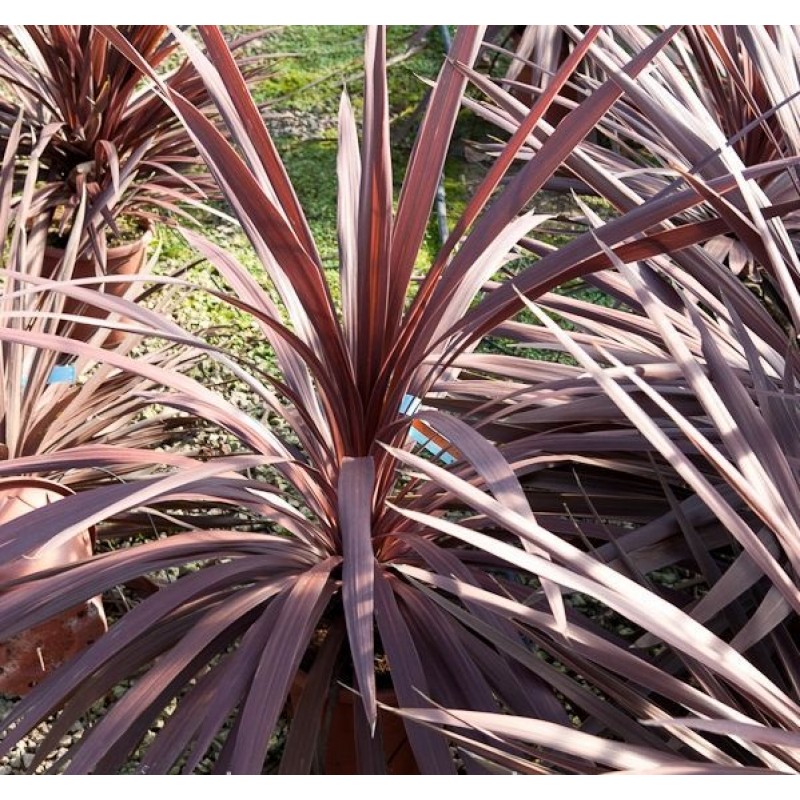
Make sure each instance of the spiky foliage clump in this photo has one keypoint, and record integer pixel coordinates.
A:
(356, 557)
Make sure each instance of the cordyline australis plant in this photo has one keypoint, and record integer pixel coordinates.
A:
(666, 119)
(75, 419)
(101, 130)
(719, 93)
(686, 425)
(356, 557)
(709, 408)
(711, 402)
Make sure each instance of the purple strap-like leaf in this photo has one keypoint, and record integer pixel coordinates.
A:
(249, 129)
(348, 171)
(548, 735)
(146, 694)
(426, 163)
(531, 178)
(749, 731)
(500, 480)
(7, 176)
(58, 522)
(355, 492)
(231, 694)
(374, 217)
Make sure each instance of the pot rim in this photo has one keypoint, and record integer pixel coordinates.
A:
(35, 482)
(118, 251)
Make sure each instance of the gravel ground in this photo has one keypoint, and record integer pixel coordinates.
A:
(299, 125)
(21, 757)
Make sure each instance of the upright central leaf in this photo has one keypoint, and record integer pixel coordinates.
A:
(375, 218)
(356, 482)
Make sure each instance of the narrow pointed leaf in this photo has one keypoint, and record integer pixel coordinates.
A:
(355, 492)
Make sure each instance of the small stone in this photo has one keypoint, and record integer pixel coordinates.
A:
(16, 761)
(27, 759)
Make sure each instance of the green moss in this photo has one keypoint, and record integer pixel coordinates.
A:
(311, 165)
(318, 60)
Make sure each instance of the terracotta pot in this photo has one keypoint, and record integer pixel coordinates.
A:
(340, 753)
(27, 657)
(125, 259)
